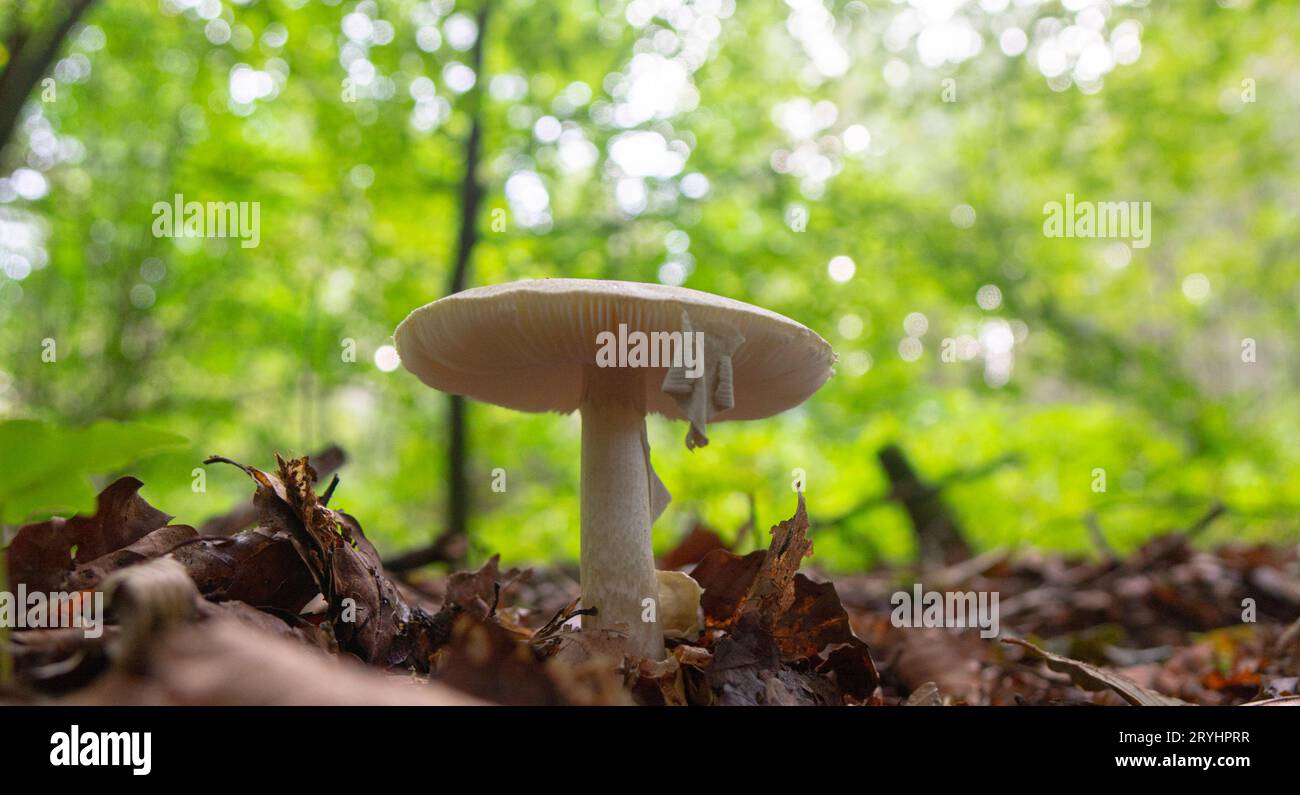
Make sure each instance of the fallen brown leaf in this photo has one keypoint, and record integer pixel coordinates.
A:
(1092, 677)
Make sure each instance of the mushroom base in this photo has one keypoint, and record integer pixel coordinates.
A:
(617, 569)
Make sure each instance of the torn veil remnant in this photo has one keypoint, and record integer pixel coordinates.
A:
(713, 391)
(537, 346)
(679, 605)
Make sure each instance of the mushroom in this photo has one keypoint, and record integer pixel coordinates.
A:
(615, 351)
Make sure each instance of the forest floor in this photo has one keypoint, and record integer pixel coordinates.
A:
(300, 609)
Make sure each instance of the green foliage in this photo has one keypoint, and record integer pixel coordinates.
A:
(1117, 365)
(47, 467)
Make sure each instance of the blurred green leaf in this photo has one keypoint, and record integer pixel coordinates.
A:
(48, 467)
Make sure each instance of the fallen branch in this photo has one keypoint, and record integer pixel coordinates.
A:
(448, 548)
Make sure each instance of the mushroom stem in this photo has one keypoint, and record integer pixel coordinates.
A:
(617, 569)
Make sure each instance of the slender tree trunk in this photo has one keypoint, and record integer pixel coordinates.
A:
(31, 53)
(938, 534)
(471, 198)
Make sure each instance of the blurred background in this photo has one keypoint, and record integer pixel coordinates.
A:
(876, 170)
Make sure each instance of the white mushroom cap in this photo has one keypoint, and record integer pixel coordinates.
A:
(524, 345)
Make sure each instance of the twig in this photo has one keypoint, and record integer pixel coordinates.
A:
(960, 572)
(1216, 510)
(1093, 524)
(956, 476)
(448, 548)
(329, 491)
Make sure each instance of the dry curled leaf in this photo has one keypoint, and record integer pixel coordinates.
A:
(369, 615)
(1091, 677)
(773, 590)
(154, 545)
(42, 556)
(927, 695)
(259, 566)
(761, 599)
(692, 549)
(494, 664)
(726, 579)
(762, 582)
(478, 592)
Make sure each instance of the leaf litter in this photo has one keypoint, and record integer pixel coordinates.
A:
(299, 609)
